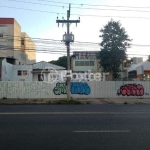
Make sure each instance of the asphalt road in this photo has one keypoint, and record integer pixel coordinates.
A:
(75, 127)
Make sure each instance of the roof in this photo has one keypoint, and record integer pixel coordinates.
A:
(43, 64)
(133, 67)
(6, 20)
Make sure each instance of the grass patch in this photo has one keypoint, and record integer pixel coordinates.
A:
(35, 100)
(63, 102)
(87, 103)
(49, 102)
(125, 103)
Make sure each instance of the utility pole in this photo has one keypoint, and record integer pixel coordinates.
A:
(67, 38)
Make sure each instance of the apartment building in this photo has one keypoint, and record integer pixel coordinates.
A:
(14, 43)
(84, 61)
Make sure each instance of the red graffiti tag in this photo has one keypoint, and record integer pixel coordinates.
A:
(131, 90)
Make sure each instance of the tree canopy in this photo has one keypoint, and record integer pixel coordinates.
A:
(62, 61)
(148, 58)
(115, 42)
(128, 62)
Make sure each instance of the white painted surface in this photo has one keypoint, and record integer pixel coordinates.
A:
(137, 60)
(10, 72)
(44, 65)
(7, 70)
(140, 70)
(94, 68)
(20, 57)
(35, 76)
(99, 89)
(145, 65)
(4, 29)
(27, 77)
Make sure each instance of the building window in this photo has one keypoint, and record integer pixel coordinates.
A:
(22, 41)
(76, 63)
(81, 63)
(19, 73)
(22, 72)
(91, 63)
(3, 25)
(10, 40)
(3, 29)
(84, 63)
(87, 63)
(3, 43)
(40, 77)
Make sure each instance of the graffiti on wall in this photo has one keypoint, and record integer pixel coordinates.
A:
(60, 88)
(75, 88)
(80, 88)
(37, 87)
(131, 90)
(8, 88)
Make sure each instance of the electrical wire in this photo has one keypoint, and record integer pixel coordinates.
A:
(57, 52)
(125, 17)
(56, 47)
(31, 10)
(42, 40)
(100, 9)
(93, 5)
(38, 3)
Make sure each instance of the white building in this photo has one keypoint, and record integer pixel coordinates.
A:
(139, 69)
(33, 72)
(84, 61)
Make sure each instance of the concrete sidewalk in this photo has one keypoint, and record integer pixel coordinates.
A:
(117, 101)
(84, 101)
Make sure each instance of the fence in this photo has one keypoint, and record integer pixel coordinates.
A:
(90, 89)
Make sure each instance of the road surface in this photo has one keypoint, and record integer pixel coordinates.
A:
(74, 127)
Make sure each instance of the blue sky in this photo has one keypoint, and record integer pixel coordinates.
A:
(38, 24)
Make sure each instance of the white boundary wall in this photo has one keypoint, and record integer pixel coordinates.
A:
(93, 89)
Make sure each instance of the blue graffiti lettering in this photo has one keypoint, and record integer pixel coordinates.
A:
(75, 88)
(80, 88)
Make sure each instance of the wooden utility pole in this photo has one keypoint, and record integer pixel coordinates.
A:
(67, 38)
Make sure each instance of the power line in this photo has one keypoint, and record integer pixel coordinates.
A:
(125, 17)
(32, 50)
(31, 38)
(54, 51)
(100, 9)
(114, 16)
(31, 9)
(92, 4)
(37, 3)
(45, 40)
(51, 49)
(55, 2)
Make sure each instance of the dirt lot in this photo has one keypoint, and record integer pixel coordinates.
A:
(84, 101)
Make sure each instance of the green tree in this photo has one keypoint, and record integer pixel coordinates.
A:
(148, 58)
(115, 42)
(128, 62)
(62, 61)
(53, 62)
